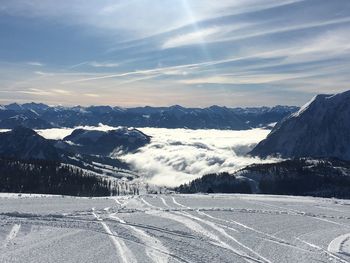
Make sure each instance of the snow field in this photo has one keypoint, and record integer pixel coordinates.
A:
(174, 228)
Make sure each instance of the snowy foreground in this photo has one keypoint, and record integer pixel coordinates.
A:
(174, 228)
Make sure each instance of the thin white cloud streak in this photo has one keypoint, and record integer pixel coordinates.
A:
(37, 92)
(103, 64)
(196, 37)
(168, 70)
(132, 73)
(35, 63)
(237, 80)
(260, 31)
(62, 91)
(48, 92)
(176, 156)
(50, 74)
(303, 52)
(96, 64)
(92, 95)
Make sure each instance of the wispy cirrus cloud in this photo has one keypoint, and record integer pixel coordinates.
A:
(45, 92)
(215, 50)
(95, 64)
(92, 95)
(161, 15)
(196, 37)
(35, 63)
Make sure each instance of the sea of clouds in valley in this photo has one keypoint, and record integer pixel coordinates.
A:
(176, 156)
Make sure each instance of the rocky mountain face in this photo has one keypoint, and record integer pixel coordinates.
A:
(39, 116)
(321, 128)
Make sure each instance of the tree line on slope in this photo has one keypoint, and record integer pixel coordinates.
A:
(50, 177)
(304, 177)
(216, 183)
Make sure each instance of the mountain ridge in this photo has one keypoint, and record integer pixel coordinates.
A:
(41, 116)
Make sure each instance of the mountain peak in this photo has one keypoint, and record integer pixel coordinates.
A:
(321, 128)
(23, 131)
(24, 143)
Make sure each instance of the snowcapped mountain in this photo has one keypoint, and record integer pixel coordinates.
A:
(41, 116)
(106, 142)
(24, 143)
(89, 150)
(321, 128)
(14, 107)
(25, 120)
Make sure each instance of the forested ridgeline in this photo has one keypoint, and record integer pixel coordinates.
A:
(311, 177)
(50, 177)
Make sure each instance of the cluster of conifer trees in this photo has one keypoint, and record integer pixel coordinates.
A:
(216, 183)
(50, 177)
(323, 178)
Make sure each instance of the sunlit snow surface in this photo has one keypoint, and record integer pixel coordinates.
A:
(174, 228)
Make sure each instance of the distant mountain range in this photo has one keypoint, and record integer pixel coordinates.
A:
(321, 128)
(41, 116)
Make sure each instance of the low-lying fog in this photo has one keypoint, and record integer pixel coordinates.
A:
(176, 156)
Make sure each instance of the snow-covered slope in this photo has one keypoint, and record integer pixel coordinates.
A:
(173, 228)
(121, 139)
(319, 129)
(24, 143)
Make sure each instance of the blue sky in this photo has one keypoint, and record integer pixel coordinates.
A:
(165, 52)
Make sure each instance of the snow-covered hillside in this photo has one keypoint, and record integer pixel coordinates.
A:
(174, 228)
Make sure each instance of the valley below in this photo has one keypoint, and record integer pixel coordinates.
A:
(170, 158)
(173, 228)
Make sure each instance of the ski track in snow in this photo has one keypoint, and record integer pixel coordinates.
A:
(12, 235)
(164, 202)
(267, 237)
(154, 248)
(340, 244)
(297, 212)
(124, 254)
(176, 203)
(225, 234)
(189, 221)
(149, 205)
